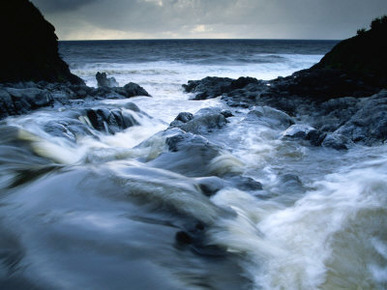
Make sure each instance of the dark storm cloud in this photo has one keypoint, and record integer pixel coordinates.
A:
(225, 18)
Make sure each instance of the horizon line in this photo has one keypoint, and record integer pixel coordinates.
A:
(158, 39)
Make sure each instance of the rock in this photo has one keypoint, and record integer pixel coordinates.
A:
(337, 141)
(132, 89)
(209, 87)
(245, 183)
(270, 117)
(103, 81)
(69, 128)
(210, 185)
(20, 101)
(287, 184)
(6, 104)
(109, 121)
(187, 154)
(363, 55)
(204, 121)
(297, 131)
(29, 49)
(212, 87)
(369, 124)
(184, 117)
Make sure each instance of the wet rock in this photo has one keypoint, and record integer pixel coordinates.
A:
(204, 121)
(289, 183)
(270, 117)
(303, 132)
(104, 81)
(337, 141)
(132, 89)
(211, 185)
(315, 137)
(21, 98)
(6, 104)
(188, 154)
(245, 183)
(20, 101)
(212, 87)
(209, 87)
(298, 131)
(369, 124)
(227, 113)
(110, 121)
(69, 128)
(182, 118)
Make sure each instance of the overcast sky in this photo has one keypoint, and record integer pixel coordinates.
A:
(144, 19)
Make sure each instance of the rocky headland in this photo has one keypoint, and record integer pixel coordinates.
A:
(343, 97)
(32, 73)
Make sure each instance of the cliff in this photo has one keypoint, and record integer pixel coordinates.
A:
(29, 46)
(364, 55)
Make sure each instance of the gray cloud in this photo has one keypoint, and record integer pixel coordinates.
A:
(52, 6)
(213, 18)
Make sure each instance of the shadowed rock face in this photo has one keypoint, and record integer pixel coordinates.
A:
(29, 46)
(364, 54)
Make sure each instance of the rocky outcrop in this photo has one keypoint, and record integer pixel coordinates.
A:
(29, 46)
(342, 97)
(21, 98)
(364, 55)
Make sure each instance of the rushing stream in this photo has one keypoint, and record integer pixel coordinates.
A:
(234, 207)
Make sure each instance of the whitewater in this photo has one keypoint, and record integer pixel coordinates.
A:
(152, 207)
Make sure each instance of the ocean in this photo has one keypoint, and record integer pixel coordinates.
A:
(125, 211)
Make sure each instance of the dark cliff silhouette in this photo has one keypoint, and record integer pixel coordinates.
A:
(29, 46)
(354, 67)
(364, 55)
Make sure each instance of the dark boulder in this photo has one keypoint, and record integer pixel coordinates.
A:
(132, 89)
(207, 88)
(212, 87)
(29, 46)
(110, 121)
(127, 91)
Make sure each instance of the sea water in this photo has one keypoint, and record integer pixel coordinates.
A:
(105, 212)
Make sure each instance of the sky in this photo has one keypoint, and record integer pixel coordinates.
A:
(165, 19)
